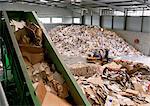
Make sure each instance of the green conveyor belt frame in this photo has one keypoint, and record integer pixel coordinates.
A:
(25, 89)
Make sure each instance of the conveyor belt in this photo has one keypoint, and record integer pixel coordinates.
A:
(23, 83)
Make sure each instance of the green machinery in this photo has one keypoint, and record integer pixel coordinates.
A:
(16, 81)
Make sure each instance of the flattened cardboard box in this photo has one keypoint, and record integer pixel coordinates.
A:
(33, 54)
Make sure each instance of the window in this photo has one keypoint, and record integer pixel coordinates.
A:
(146, 13)
(118, 13)
(45, 20)
(135, 13)
(56, 20)
(76, 20)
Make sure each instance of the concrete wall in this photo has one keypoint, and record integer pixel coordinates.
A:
(144, 38)
(118, 22)
(146, 24)
(87, 20)
(96, 19)
(107, 22)
(134, 23)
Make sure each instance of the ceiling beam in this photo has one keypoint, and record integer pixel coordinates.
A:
(104, 4)
(143, 2)
(118, 2)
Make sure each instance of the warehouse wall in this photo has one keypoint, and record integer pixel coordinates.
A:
(118, 22)
(134, 23)
(144, 38)
(88, 20)
(95, 19)
(146, 24)
(107, 22)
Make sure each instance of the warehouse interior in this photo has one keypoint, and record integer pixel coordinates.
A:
(75, 52)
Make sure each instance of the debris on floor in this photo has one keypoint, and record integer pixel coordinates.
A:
(84, 69)
(120, 83)
(80, 40)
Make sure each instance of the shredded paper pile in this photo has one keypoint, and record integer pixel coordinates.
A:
(76, 40)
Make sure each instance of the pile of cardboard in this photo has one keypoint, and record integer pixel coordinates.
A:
(119, 83)
(49, 85)
(84, 69)
(79, 40)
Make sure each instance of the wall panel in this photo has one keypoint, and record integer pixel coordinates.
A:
(118, 22)
(134, 23)
(107, 22)
(146, 24)
(96, 19)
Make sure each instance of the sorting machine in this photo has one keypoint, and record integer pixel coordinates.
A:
(15, 80)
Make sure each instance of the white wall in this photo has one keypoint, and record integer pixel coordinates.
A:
(144, 38)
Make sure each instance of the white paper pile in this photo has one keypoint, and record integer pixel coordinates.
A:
(79, 40)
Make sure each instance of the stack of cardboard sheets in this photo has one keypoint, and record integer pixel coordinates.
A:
(79, 40)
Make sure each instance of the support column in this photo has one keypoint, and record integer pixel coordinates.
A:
(91, 19)
(125, 19)
(112, 26)
(142, 19)
(83, 20)
(100, 18)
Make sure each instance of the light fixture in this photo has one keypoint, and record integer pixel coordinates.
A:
(76, 1)
(44, 1)
(56, 0)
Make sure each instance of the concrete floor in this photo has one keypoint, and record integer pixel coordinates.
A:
(141, 59)
(73, 59)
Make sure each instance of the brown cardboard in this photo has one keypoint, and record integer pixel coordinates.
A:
(41, 91)
(53, 100)
(33, 54)
(113, 66)
(97, 81)
(132, 91)
(21, 36)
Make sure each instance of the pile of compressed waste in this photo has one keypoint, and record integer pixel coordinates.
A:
(49, 85)
(119, 83)
(80, 40)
